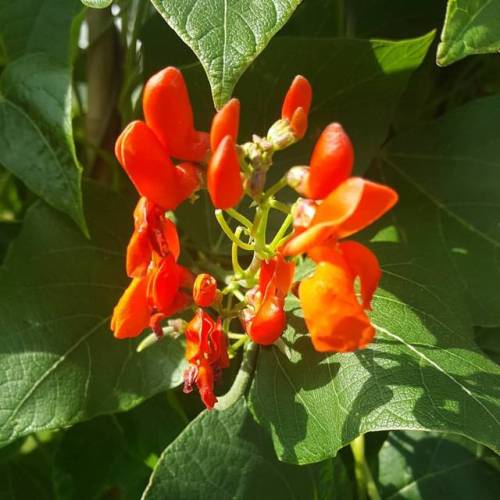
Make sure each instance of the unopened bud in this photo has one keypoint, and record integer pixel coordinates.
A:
(281, 135)
(303, 212)
(204, 290)
(297, 178)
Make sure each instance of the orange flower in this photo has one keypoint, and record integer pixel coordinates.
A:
(144, 149)
(225, 122)
(206, 351)
(152, 232)
(204, 290)
(266, 320)
(352, 206)
(151, 298)
(335, 319)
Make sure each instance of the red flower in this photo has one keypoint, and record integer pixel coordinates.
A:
(144, 149)
(266, 320)
(204, 290)
(206, 351)
(296, 105)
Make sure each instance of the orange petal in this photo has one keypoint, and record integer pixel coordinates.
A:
(225, 122)
(167, 110)
(204, 290)
(334, 317)
(148, 166)
(188, 179)
(131, 314)
(363, 263)
(299, 95)
(205, 383)
(138, 254)
(303, 241)
(223, 175)
(331, 162)
(298, 123)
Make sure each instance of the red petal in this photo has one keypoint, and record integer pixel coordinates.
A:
(299, 95)
(223, 176)
(138, 254)
(205, 383)
(331, 162)
(269, 322)
(167, 110)
(148, 166)
(164, 282)
(188, 179)
(225, 122)
(204, 290)
(131, 314)
(363, 263)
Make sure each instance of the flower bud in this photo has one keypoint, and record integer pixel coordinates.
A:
(281, 135)
(223, 175)
(204, 290)
(297, 178)
(225, 122)
(299, 95)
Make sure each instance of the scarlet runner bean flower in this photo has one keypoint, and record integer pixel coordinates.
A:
(335, 206)
(206, 352)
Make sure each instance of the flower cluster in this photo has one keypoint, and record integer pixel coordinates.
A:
(168, 161)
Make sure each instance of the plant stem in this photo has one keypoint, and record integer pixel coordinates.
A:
(278, 205)
(237, 269)
(242, 380)
(225, 227)
(364, 479)
(281, 232)
(239, 217)
(278, 186)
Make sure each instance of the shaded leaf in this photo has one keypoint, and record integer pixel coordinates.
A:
(225, 455)
(226, 35)
(431, 466)
(97, 4)
(471, 27)
(61, 364)
(424, 371)
(36, 137)
(448, 168)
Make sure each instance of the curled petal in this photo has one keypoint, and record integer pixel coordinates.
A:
(205, 383)
(278, 271)
(164, 283)
(269, 321)
(303, 241)
(168, 112)
(131, 314)
(331, 161)
(223, 176)
(204, 290)
(363, 263)
(225, 122)
(335, 319)
(148, 165)
(219, 346)
(299, 95)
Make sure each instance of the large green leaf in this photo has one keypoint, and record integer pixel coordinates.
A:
(471, 27)
(355, 82)
(447, 175)
(33, 26)
(424, 371)
(36, 136)
(225, 455)
(418, 465)
(60, 363)
(110, 455)
(226, 35)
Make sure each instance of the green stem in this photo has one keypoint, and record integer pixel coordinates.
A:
(240, 218)
(282, 183)
(281, 232)
(260, 231)
(278, 205)
(238, 270)
(242, 380)
(364, 479)
(225, 227)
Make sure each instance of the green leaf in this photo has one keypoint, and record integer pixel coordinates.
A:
(36, 137)
(471, 27)
(488, 339)
(424, 371)
(34, 26)
(448, 168)
(431, 466)
(97, 4)
(349, 77)
(60, 363)
(225, 455)
(107, 455)
(226, 35)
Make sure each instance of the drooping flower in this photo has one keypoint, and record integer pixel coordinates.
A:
(265, 320)
(206, 352)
